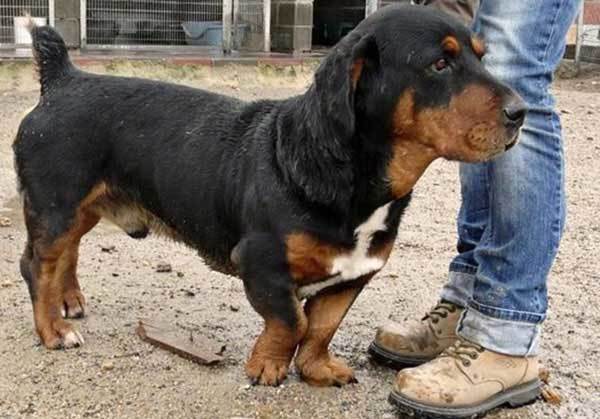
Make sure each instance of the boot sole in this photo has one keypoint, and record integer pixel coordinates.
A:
(514, 397)
(390, 359)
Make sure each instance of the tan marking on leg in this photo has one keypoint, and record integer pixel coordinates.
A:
(55, 270)
(309, 258)
(53, 330)
(273, 351)
(73, 298)
(325, 312)
(383, 250)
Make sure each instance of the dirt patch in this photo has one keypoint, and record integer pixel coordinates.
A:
(117, 375)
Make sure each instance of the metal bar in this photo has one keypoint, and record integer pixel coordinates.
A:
(579, 37)
(51, 11)
(370, 7)
(227, 19)
(267, 24)
(83, 23)
(236, 15)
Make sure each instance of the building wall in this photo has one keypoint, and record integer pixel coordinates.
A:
(67, 21)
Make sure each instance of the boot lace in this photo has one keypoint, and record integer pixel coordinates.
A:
(440, 311)
(464, 351)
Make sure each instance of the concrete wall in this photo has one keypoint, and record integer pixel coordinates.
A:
(66, 21)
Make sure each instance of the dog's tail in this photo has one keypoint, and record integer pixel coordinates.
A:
(50, 54)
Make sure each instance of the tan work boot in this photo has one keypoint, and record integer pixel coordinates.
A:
(466, 380)
(414, 343)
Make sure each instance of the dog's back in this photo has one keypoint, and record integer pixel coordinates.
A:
(127, 147)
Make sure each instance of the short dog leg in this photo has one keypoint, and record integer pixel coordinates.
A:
(314, 362)
(270, 290)
(48, 266)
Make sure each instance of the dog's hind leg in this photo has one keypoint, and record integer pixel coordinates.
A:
(48, 267)
(270, 290)
(73, 299)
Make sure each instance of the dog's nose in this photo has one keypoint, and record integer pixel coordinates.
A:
(514, 113)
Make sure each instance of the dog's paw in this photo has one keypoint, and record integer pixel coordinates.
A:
(60, 335)
(266, 371)
(326, 371)
(73, 305)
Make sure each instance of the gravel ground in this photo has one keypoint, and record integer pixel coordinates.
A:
(117, 375)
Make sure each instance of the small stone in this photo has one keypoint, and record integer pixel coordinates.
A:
(189, 293)
(164, 268)
(108, 366)
(583, 383)
(180, 274)
(234, 308)
(108, 248)
(5, 222)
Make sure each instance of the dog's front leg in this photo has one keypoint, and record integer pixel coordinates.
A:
(325, 312)
(271, 291)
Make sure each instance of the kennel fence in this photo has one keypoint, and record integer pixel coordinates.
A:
(173, 24)
(587, 47)
(13, 33)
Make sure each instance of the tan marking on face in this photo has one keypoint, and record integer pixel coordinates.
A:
(478, 46)
(410, 157)
(356, 71)
(468, 129)
(451, 45)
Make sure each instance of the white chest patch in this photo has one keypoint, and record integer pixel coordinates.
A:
(356, 263)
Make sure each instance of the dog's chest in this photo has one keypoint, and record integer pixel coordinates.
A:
(331, 266)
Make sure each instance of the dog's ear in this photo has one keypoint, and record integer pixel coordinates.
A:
(337, 78)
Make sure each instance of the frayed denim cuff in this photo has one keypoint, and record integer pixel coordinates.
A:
(510, 337)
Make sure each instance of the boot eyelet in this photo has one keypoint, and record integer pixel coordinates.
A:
(434, 321)
(473, 356)
(466, 363)
(444, 315)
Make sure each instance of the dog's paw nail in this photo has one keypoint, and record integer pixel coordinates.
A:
(72, 339)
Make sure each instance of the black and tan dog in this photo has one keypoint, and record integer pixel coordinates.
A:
(299, 197)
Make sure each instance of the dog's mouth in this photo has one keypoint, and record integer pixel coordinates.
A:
(512, 142)
(509, 146)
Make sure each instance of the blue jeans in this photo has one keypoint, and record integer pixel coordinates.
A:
(513, 208)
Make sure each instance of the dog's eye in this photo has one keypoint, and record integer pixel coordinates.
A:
(440, 65)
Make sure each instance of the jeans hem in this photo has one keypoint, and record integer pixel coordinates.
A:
(499, 335)
(506, 314)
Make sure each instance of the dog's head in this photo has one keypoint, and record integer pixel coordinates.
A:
(414, 76)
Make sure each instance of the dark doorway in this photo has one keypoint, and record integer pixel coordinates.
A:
(332, 19)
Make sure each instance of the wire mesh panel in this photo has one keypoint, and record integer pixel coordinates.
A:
(249, 25)
(119, 23)
(12, 29)
(588, 40)
(383, 3)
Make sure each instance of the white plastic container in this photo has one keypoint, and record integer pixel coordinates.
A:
(22, 36)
